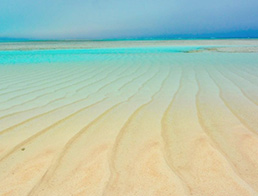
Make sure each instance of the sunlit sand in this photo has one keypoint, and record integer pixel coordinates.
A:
(164, 118)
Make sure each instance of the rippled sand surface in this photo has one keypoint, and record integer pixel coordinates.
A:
(149, 121)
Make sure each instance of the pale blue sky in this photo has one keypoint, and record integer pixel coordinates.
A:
(103, 19)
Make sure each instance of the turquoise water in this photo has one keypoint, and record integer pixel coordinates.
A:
(68, 55)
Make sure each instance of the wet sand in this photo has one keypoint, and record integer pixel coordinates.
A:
(135, 124)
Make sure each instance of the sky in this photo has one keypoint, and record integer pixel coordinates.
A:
(127, 19)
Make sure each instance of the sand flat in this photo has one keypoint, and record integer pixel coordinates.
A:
(169, 118)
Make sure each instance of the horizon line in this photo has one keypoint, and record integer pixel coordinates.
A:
(4, 39)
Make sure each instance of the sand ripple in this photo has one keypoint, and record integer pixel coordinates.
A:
(131, 124)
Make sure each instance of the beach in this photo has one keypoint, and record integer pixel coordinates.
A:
(157, 118)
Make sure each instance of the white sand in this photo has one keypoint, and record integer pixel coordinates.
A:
(164, 124)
